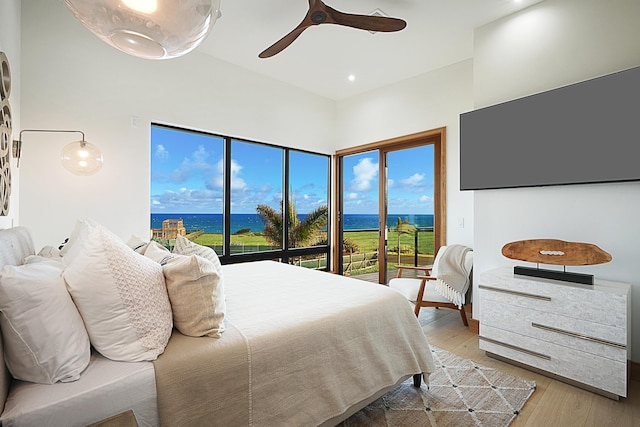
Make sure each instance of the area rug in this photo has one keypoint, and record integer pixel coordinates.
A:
(461, 393)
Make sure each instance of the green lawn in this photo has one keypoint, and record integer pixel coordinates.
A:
(367, 241)
(365, 261)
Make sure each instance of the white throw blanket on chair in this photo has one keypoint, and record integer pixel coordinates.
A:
(453, 277)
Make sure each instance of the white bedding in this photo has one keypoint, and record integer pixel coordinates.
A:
(319, 343)
(106, 388)
(319, 346)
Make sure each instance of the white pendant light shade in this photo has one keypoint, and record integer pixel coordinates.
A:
(81, 158)
(152, 29)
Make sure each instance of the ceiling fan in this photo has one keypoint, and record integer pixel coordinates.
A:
(320, 13)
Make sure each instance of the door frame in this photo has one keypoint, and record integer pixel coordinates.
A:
(435, 137)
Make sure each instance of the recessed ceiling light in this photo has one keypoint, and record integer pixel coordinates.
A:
(351, 77)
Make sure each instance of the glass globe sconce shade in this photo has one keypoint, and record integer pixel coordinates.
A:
(81, 158)
(151, 29)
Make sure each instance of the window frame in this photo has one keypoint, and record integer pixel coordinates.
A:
(285, 254)
(435, 137)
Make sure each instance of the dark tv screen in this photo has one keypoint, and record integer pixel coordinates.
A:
(587, 132)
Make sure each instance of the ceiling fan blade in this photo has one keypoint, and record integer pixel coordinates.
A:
(366, 22)
(284, 42)
(320, 13)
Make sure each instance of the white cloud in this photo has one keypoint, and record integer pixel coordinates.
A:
(425, 199)
(237, 183)
(161, 152)
(413, 180)
(194, 165)
(198, 160)
(352, 196)
(188, 200)
(365, 172)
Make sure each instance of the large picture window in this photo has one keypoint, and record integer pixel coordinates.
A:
(229, 194)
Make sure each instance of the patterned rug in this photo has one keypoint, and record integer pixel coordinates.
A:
(461, 393)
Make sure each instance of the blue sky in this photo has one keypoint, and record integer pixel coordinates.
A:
(187, 170)
(410, 182)
(186, 177)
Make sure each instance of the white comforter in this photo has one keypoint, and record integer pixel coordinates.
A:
(319, 343)
(303, 348)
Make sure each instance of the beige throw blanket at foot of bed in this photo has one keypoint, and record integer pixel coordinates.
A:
(204, 381)
(319, 342)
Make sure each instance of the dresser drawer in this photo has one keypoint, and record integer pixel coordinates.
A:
(570, 301)
(594, 371)
(601, 340)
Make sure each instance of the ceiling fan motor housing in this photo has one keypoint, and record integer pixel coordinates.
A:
(318, 17)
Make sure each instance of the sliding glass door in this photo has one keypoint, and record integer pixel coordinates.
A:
(391, 205)
(360, 231)
(409, 207)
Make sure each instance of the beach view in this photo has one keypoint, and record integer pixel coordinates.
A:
(193, 175)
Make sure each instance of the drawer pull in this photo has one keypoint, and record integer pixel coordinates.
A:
(576, 335)
(522, 294)
(520, 349)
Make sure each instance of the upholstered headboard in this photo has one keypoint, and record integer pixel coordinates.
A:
(15, 245)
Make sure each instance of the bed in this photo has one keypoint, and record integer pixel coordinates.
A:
(301, 348)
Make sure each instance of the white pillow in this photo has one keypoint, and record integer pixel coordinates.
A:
(185, 246)
(137, 244)
(121, 296)
(51, 253)
(158, 253)
(76, 239)
(45, 340)
(197, 296)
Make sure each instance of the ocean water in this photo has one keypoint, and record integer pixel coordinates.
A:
(212, 223)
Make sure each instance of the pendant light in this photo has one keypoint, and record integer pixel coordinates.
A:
(151, 29)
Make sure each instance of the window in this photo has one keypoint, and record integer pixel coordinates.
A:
(308, 201)
(229, 194)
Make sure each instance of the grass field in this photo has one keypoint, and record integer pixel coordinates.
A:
(367, 241)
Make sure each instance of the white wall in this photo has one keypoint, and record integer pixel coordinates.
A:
(425, 102)
(10, 45)
(73, 80)
(551, 44)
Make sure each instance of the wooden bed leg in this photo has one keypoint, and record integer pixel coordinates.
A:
(417, 380)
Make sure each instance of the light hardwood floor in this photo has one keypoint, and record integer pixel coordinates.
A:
(554, 403)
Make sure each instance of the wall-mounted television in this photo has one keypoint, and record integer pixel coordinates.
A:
(587, 132)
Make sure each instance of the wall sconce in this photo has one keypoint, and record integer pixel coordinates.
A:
(79, 157)
(151, 29)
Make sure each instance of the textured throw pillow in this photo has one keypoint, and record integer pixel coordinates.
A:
(121, 296)
(196, 293)
(45, 340)
(185, 246)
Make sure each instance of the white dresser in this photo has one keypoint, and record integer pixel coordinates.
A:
(576, 333)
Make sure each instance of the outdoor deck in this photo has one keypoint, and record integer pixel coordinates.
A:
(373, 277)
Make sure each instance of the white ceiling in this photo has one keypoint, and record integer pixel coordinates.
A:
(438, 33)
